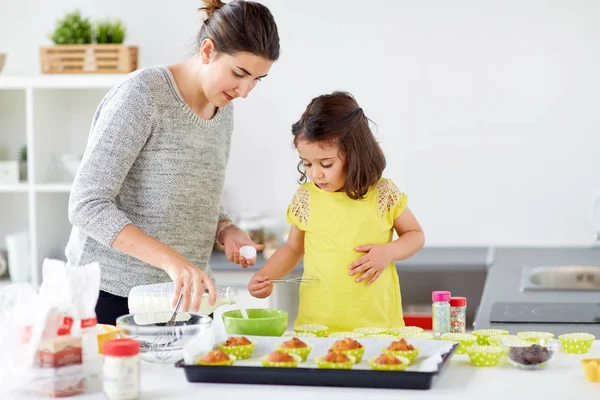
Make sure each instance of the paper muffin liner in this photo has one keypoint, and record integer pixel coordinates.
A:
(576, 343)
(356, 353)
(317, 329)
(303, 352)
(406, 329)
(332, 365)
(410, 355)
(228, 363)
(484, 356)
(382, 336)
(483, 334)
(344, 335)
(497, 340)
(417, 336)
(370, 331)
(292, 364)
(464, 339)
(240, 352)
(299, 334)
(591, 368)
(389, 367)
(540, 338)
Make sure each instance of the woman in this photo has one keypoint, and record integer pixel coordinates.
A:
(145, 203)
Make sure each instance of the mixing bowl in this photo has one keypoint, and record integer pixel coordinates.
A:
(260, 322)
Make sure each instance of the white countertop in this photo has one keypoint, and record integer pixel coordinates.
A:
(563, 378)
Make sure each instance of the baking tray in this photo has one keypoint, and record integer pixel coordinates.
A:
(416, 376)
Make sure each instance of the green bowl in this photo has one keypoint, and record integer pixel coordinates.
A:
(260, 322)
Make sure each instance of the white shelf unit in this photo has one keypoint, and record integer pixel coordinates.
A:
(51, 115)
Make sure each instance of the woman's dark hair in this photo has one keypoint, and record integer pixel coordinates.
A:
(337, 118)
(240, 26)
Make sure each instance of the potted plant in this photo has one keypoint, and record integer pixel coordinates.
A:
(75, 52)
(23, 164)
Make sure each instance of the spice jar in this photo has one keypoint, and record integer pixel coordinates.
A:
(252, 224)
(458, 314)
(122, 369)
(440, 313)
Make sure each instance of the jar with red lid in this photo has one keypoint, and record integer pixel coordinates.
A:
(458, 314)
(122, 369)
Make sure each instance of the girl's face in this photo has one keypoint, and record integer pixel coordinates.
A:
(324, 164)
(227, 77)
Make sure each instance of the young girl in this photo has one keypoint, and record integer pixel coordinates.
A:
(342, 223)
(145, 203)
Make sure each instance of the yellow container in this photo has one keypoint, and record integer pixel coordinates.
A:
(591, 367)
(105, 332)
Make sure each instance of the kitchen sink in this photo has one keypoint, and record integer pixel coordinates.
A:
(563, 277)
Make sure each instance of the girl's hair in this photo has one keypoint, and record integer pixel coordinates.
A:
(240, 26)
(337, 118)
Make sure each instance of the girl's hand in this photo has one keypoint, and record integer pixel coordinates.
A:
(188, 277)
(260, 287)
(372, 264)
(233, 239)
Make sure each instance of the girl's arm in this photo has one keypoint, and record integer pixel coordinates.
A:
(410, 240)
(281, 263)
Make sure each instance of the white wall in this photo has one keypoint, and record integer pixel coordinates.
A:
(487, 110)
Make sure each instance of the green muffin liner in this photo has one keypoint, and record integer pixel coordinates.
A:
(389, 367)
(317, 329)
(410, 355)
(484, 356)
(406, 329)
(303, 352)
(370, 330)
(382, 336)
(356, 353)
(497, 340)
(299, 334)
(332, 365)
(464, 340)
(483, 334)
(576, 343)
(293, 364)
(217, 364)
(416, 336)
(540, 338)
(344, 335)
(240, 352)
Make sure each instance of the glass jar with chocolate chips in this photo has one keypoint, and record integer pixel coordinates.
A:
(527, 355)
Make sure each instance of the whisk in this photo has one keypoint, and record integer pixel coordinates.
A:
(160, 344)
(301, 280)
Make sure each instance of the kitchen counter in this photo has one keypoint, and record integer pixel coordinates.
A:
(563, 378)
(503, 284)
(429, 258)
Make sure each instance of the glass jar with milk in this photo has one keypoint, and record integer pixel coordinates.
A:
(159, 298)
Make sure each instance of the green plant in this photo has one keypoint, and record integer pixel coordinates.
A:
(23, 153)
(110, 32)
(72, 29)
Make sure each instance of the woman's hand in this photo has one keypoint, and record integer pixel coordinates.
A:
(372, 264)
(187, 278)
(260, 287)
(233, 239)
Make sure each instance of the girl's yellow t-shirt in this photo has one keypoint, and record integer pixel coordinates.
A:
(334, 225)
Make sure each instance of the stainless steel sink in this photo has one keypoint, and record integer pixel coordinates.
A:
(564, 277)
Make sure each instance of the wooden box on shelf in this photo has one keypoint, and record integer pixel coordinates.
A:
(88, 59)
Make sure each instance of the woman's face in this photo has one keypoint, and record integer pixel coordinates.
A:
(228, 77)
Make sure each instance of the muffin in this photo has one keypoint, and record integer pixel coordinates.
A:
(402, 348)
(349, 347)
(295, 346)
(216, 358)
(334, 360)
(281, 359)
(239, 346)
(388, 362)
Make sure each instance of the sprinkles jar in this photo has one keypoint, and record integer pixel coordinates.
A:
(458, 314)
(440, 312)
